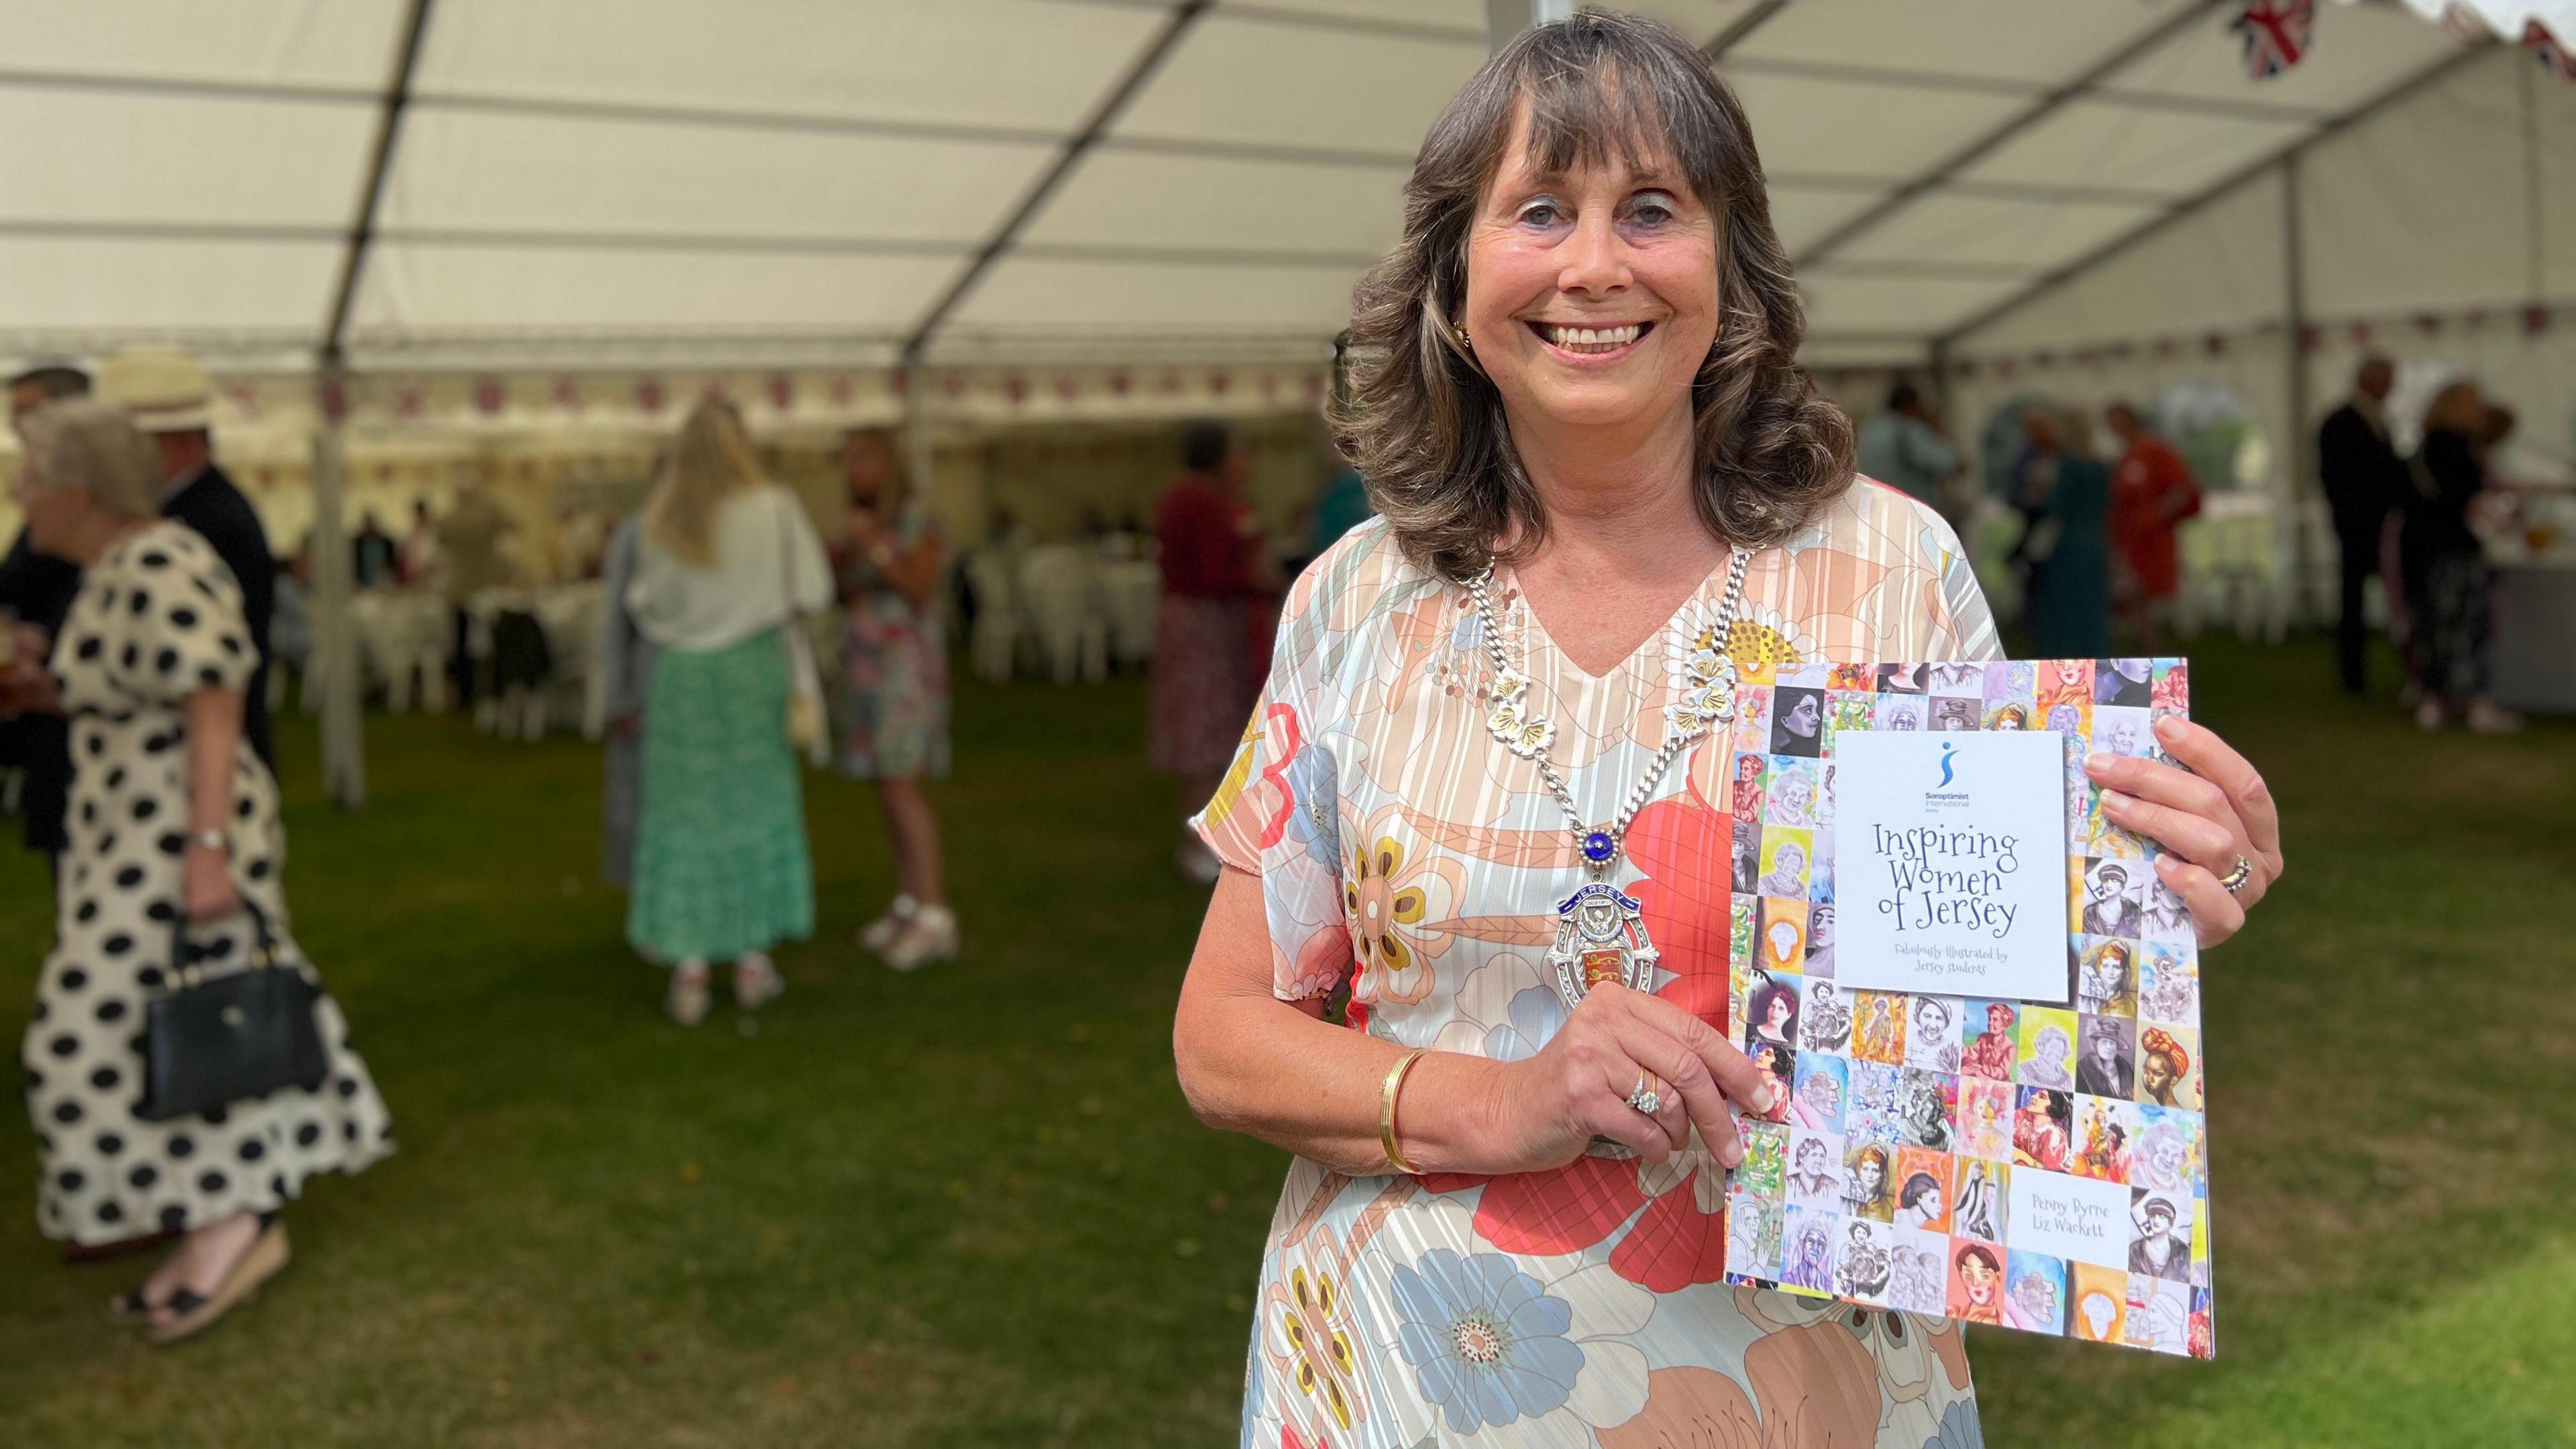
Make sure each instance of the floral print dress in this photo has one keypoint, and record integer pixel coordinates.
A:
(894, 666)
(1408, 858)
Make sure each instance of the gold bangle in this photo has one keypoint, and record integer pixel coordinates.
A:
(1386, 1108)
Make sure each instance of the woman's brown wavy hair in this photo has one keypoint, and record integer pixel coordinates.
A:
(1421, 422)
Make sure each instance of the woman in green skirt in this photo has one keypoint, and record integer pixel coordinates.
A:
(727, 563)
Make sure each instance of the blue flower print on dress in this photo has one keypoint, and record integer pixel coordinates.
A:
(1313, 806)
(1959, 1428)
(1535, 1013)
(1486, 1342)
(1469, 636)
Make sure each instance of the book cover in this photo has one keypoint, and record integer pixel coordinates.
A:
(1994, 1111)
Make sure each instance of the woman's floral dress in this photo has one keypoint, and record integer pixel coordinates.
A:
(894, 665)
(1406, 856)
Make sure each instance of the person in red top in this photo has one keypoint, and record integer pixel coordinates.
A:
(2152, 491)
(1209, 645)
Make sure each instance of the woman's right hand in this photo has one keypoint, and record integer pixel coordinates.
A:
(1576, 1088)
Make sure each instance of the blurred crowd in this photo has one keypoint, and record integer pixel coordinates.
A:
(2096, 555)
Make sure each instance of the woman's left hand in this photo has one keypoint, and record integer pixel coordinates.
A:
(2207, 815)
(208, 883)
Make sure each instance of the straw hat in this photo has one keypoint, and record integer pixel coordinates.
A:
(163, 391)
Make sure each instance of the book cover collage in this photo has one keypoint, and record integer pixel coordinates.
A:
(2037, 1165)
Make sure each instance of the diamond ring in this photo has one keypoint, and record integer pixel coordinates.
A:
(1645, 1098)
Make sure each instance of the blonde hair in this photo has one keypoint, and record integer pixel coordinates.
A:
(711, 460)
(84, 444)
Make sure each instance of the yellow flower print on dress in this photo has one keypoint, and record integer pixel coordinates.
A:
(1229, 791)
(1389, 896)
(1312, 1322)
(1760, 641)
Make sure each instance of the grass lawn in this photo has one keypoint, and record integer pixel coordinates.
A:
(968, 1207)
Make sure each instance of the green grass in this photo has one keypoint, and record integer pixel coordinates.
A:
(968, 1207)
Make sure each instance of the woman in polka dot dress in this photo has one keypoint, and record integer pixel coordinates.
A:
(172, 818)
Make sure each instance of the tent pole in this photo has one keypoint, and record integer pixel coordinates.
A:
(335, 643)
(2301, 452)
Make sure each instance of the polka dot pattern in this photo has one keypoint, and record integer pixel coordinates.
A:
(157, 619)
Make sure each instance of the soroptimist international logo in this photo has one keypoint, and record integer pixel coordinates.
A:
(1948, 750)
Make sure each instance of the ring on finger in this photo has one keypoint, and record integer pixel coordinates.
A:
(2234, 881)
(1648, 1095)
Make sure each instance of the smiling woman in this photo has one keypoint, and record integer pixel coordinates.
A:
(1511, 704)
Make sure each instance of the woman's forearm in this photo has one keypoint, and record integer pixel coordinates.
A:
(1276, 1070)
(1262, 1067)
(214, 731)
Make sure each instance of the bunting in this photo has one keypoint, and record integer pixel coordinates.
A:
(2276, 34)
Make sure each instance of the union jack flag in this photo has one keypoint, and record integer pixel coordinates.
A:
(2276, 34)
(2553, 56)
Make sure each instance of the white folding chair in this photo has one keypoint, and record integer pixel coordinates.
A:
(1060, 584)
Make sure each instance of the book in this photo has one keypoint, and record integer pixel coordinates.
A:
(1994, 1112)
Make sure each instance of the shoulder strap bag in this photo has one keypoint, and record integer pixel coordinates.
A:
(211, 1041)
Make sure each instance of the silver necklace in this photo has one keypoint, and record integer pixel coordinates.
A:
(1601, 932)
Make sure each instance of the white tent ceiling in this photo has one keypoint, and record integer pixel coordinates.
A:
(595, 180)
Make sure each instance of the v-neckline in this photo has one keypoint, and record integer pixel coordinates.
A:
(1620, 665)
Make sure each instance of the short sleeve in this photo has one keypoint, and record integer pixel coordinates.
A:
(178, 627)
(1277, 812)
(1965, 629)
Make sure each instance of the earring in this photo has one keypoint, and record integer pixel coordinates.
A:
(1464, 340)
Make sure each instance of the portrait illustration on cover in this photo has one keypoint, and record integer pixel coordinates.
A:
(2044, 1129)
(2047, 1048)
(2111, 899)
(1798, 722)
(1793, 795)
(2035, 1295)
(2124, 682)
(1993, 1042)
(1976, 1283)
(1980, 1212)
(1821, 1088)
(1867, 1191)
(1824, 1022)
(2104, 1070)
(1932, 1038)
(1985, 1118)
(1914, 1283)
(1923, 1190)
(1815, 1169)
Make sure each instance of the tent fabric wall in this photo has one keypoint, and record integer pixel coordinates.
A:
(2442, 228)
(854, 181)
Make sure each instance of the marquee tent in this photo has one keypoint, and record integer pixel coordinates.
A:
(554, 213)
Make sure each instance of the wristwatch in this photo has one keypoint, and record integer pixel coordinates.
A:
(214, 840)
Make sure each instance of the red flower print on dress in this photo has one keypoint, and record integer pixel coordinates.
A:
(1679, 1239)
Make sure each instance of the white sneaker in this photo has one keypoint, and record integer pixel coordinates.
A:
(2429, 716)
(686, 1002)
(2486, 718)
(756, 981)
(880, 933)
(931, 935)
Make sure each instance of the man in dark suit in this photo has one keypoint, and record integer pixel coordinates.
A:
(38, 589)
(169, 399)
(2364, 478)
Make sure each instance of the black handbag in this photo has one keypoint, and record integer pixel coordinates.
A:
(215, 1040)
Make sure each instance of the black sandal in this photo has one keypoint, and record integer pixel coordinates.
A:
(196, 1312)
(130, 1307)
